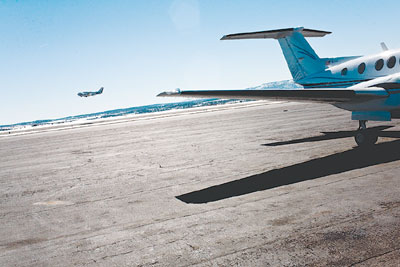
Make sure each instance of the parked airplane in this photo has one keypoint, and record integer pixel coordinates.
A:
(86, 94)
(368, 86)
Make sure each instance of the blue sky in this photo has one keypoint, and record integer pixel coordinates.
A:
(51, 50)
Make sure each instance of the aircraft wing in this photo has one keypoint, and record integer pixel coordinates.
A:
(332, 95)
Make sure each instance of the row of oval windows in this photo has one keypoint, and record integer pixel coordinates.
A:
(378, 65)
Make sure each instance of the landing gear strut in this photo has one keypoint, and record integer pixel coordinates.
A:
(365, 137)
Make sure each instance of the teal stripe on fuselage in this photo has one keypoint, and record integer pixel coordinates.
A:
(337, 84)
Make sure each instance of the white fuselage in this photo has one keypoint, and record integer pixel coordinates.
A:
(356, 71)
(380, 70)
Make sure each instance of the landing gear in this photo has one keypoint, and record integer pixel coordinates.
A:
(365, 137)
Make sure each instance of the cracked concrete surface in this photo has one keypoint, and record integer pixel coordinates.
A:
(247, 184)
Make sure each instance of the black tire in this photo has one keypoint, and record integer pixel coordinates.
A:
(373, 138)
(365, 138)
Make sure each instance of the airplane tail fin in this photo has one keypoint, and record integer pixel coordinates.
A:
(101, 90)
(300, 57)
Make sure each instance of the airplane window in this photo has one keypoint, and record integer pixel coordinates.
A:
(361, 68)
(344, 71)
(379, 64)
(391, 62)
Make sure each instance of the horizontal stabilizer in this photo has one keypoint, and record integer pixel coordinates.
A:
(275, 34)
(332, 95)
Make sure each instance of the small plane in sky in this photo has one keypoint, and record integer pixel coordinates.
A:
(368, 86)
(86, 94)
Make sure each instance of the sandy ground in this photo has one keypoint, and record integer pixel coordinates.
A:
(255, 184)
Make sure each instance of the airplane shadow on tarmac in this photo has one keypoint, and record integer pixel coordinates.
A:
(352, 159)
(337, 135)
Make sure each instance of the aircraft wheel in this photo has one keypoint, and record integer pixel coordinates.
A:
(365, 138)
(374, 138)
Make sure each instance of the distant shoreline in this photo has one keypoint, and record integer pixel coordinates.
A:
(134, 111)
(78, 124)
(117, 113)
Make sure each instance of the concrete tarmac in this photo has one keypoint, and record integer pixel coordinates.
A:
(250, 184)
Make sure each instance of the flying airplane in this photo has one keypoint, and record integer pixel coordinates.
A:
(368, 86)
(86, 94)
